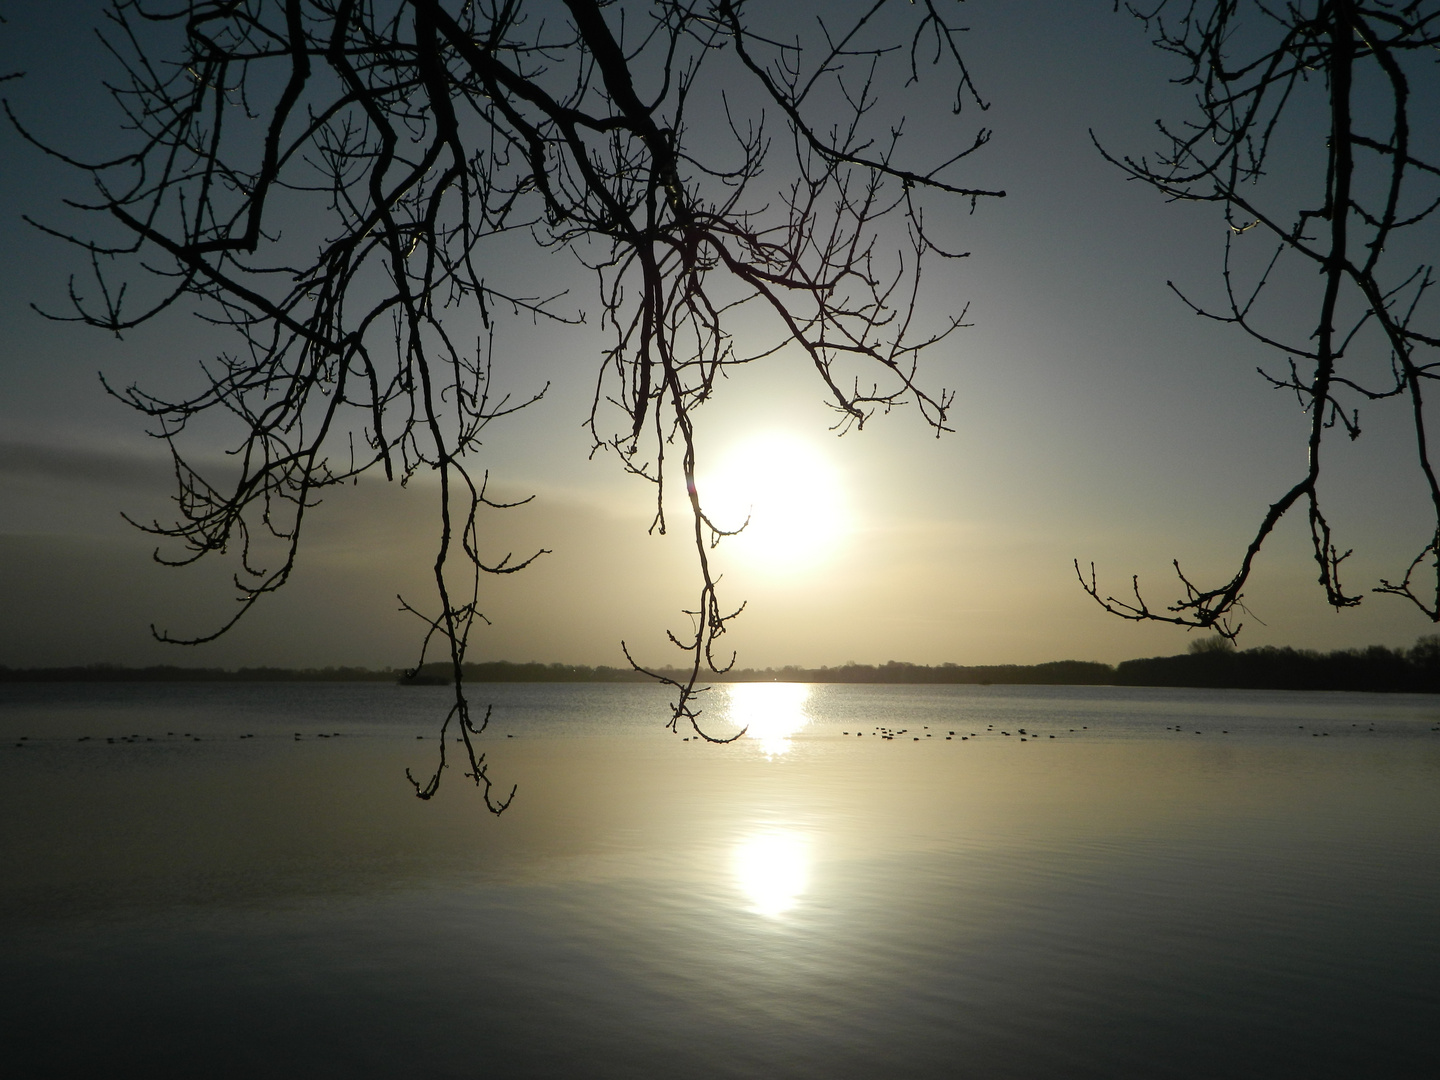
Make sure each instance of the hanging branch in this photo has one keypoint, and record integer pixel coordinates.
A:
(1253, 66)
(335, 181)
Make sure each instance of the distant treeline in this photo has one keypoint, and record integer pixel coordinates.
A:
(1377, 668)
(1415, 670)
(172, 673)
(1058, 673)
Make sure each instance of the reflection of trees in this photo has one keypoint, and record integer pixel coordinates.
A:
(1354, 222)
(341, 182)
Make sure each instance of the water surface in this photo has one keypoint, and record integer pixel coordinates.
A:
(1176, 884)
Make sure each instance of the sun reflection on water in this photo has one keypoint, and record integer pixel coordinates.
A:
(771, 711)
(772, 868)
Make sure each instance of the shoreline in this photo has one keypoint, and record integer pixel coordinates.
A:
(1376, 669)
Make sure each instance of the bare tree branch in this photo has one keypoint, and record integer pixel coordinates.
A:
(1253, 66)
(335, 181)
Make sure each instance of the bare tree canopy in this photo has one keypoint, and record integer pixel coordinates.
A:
(1349, 89)
(338, 182)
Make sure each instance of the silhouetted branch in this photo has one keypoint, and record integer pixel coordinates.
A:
(1251, 65)
(335, 180)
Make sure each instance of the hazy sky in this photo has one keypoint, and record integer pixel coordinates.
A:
(1096, 419)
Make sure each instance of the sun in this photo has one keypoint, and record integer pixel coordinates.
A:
(791, 494)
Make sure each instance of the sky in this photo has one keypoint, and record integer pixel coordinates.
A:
(1096, 419)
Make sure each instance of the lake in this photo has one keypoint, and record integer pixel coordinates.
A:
(1078, 882)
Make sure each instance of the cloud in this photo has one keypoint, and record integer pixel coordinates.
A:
(90, 466)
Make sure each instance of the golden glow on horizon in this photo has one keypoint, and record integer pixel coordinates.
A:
(791, 493)
(772, 868)
(771, 713)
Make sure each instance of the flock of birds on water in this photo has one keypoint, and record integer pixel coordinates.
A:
(878, 731)
(169, 736)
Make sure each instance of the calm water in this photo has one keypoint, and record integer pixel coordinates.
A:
(1177, 884)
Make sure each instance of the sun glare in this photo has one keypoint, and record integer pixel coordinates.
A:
(772, 870)
(791, 494)
(771, 713)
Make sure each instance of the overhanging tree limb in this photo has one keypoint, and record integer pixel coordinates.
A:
(1249, 64)
(334, 181)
